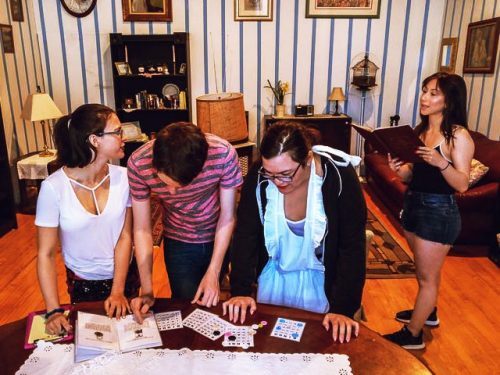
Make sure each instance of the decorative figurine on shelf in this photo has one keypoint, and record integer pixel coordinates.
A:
(279, 92)
(140, 69)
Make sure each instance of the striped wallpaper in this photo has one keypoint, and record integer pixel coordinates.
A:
(312, 54)
(484, 96)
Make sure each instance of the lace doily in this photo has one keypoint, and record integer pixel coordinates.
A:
(57, 359)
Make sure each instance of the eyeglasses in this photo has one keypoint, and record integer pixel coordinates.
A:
(118, 132)
(285, 179)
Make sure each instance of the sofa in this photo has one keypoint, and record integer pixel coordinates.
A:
(479, 206)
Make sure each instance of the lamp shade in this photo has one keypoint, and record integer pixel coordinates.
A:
(40, 106)
(223, 115)
(337, 94)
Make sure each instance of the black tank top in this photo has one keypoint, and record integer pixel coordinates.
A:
(429, 179)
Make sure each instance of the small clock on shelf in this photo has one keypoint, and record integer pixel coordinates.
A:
(79, 8)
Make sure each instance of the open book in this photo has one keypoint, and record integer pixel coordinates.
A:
(399, 141)
(96, 334)
(35, 329)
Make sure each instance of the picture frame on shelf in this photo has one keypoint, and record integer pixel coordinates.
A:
(131, 131)
(253, 10)
(122, 68)
(342, 9)
(7, 38)
(16, 10)
(448, 55)
(183, 68)
(147, 10)
(481, 46)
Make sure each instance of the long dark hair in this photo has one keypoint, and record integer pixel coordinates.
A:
(287, 136)
(455, 97)
(71, 134)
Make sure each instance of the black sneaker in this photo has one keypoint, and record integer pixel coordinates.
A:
(405, 339)
(405, 316)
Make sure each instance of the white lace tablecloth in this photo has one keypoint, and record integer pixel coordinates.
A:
(57, 359)
(34, 167)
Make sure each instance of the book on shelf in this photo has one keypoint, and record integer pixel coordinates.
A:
(97, 334)
(399, 141)
(35, 329)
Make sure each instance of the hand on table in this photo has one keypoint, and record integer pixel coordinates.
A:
(208, 290)
(342, 326)
(117, 304)
(237, 306)
(57, 324)
(141, 305)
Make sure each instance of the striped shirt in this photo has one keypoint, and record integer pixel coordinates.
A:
(191, 214)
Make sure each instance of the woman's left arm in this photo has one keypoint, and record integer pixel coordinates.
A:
(462, 151)
(117, 304)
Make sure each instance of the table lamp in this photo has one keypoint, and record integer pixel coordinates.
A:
(40, 107)
(336, 95)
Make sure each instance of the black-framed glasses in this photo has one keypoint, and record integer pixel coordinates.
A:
(118, 132)
(285, 179)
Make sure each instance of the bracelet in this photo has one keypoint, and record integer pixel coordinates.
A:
(447, 165)
(48, 314)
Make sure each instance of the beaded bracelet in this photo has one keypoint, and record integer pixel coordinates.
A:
(48, 314)
(447, 165)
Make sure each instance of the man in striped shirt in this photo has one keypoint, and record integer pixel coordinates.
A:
(195, 176)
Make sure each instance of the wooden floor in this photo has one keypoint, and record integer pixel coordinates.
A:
(466, 342)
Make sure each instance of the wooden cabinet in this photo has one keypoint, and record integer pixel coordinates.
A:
(151, 79)
(7, 208)
(335, 131)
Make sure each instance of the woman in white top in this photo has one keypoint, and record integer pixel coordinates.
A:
(85, 205)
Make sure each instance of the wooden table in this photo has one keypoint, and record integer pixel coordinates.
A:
(368, 354)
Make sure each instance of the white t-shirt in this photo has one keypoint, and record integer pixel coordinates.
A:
(88, 241)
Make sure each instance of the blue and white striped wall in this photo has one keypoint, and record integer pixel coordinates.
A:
(483, 89)
(20, 73)
(312, 54)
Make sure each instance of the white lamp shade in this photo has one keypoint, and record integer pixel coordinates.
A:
(40, 106)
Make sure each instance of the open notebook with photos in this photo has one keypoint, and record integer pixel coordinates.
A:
(96, 334)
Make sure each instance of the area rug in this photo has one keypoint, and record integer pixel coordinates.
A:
(386, 258)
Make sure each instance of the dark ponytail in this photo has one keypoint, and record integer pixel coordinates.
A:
(71, 134)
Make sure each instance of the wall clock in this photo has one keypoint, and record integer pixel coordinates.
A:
(79, 8)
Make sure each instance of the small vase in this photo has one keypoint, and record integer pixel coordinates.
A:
(280, 110)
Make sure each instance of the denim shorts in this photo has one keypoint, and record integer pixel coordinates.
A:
(433, 217)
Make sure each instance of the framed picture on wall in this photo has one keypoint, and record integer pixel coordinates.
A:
(343, 8)
(7, 38)
(122, 68)
(253, 10)
(448, 55)
(147, 10)
(481, 46)
(16, 10)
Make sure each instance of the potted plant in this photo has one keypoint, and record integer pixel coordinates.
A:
(279, 92)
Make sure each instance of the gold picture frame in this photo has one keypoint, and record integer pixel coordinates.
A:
(253, 10)
(448, 55)
(147, 10)
(122, 68)
(342, 8)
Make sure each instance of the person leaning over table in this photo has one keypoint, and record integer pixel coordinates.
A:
(86, 206)
(300, 232)
(195, 177)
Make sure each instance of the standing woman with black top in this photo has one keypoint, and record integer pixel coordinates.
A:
(430, 215)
